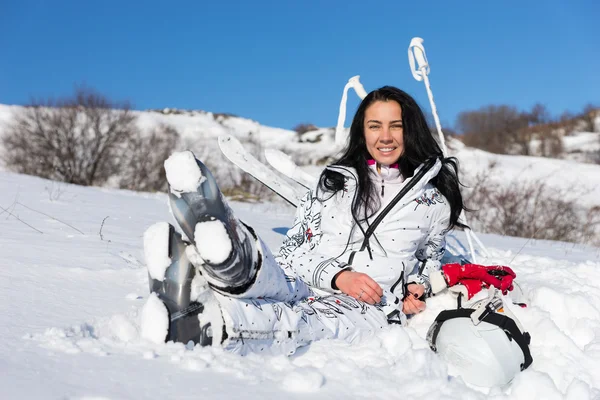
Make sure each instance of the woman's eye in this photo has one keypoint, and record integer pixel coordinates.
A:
(396, 126)
(373, 126)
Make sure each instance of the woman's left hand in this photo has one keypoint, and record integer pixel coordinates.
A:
(412, 304)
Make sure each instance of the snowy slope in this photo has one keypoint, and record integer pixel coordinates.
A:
(73, 281)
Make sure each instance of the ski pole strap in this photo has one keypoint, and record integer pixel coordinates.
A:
(508, 325)
(415, 179)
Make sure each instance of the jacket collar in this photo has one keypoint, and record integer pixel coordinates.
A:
(350, 173)
(386, 173)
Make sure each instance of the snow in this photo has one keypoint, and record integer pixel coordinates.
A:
(156, 252)
(212, 241)
(77, 320)
(582, 142)
(154, 321)
(183, 173)
(73, 318)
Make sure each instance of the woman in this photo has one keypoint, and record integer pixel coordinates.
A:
(360, 254)
(389, 140)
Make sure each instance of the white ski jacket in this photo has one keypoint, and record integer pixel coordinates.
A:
(407, 244)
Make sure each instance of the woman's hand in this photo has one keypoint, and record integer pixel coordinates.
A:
(360, 286)
(412, 304)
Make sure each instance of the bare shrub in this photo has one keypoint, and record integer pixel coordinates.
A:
(303, 128)
(506, 130)
(233, 182)
(221, 117)
(551, 143)
(55, 190)
(593, 220)
(74, 140)
(589, 115)
(247, 187)
(528, 209)
(142, 165)
(490, 127)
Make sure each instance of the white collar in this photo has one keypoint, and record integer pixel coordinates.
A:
(386, 172)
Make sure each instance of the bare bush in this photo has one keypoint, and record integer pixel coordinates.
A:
(505, 130)
(491, 128)
(528, 209)
(551, 143)
(142, 164)
(590, 113)
(246, 187)
(233, 182)
(303, 128)
(74, 140)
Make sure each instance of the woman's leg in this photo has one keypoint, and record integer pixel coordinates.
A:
(195, 312)
(174, 280)
(275, 327)
(230, 255)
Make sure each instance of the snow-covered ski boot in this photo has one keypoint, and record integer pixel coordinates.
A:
(227, 247)
(170, 275)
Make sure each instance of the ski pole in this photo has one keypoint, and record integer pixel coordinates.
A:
(420, 71)
(355, 84)
(417, 51)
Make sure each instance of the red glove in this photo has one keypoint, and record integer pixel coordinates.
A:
(498, 276)
(471, 286)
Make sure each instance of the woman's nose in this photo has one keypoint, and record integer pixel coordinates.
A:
(386, 135)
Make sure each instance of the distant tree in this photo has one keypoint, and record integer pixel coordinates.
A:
(75, 140)
(590, 113)
(536, 123)
(539, 114)
(504, 129)
(492, 128)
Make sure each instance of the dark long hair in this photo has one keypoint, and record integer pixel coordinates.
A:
(419, 146)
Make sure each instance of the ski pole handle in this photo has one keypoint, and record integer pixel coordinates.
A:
(357, 86)
(340, 137)
(416, 50)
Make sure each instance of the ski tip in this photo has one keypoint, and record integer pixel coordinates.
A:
(228, 140)
(224, 138)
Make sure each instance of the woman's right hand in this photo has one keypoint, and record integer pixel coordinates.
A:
(411, 303)
(360, 286)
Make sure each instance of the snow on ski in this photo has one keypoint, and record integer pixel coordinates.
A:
(235, 152)
(284, 164)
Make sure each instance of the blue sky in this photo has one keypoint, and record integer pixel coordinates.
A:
(286, 62)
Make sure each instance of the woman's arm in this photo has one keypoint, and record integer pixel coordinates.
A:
(300, 248)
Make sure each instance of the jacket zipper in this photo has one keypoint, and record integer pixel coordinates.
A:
(382, 186)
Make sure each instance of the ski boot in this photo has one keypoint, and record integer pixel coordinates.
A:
(175, 289)
(227, 247)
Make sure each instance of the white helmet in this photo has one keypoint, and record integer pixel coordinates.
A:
(486, 345)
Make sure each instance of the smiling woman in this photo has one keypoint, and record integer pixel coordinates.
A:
(389, 141)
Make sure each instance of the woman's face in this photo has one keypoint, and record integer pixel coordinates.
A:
(383, 131)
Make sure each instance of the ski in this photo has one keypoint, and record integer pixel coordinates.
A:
(235, 152)
(284, 164)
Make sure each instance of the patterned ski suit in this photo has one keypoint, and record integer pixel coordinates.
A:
(292, 302)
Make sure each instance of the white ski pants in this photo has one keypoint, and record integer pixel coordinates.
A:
(280, 313)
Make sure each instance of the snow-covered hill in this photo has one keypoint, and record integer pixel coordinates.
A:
(580, 182)
(73, 281)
